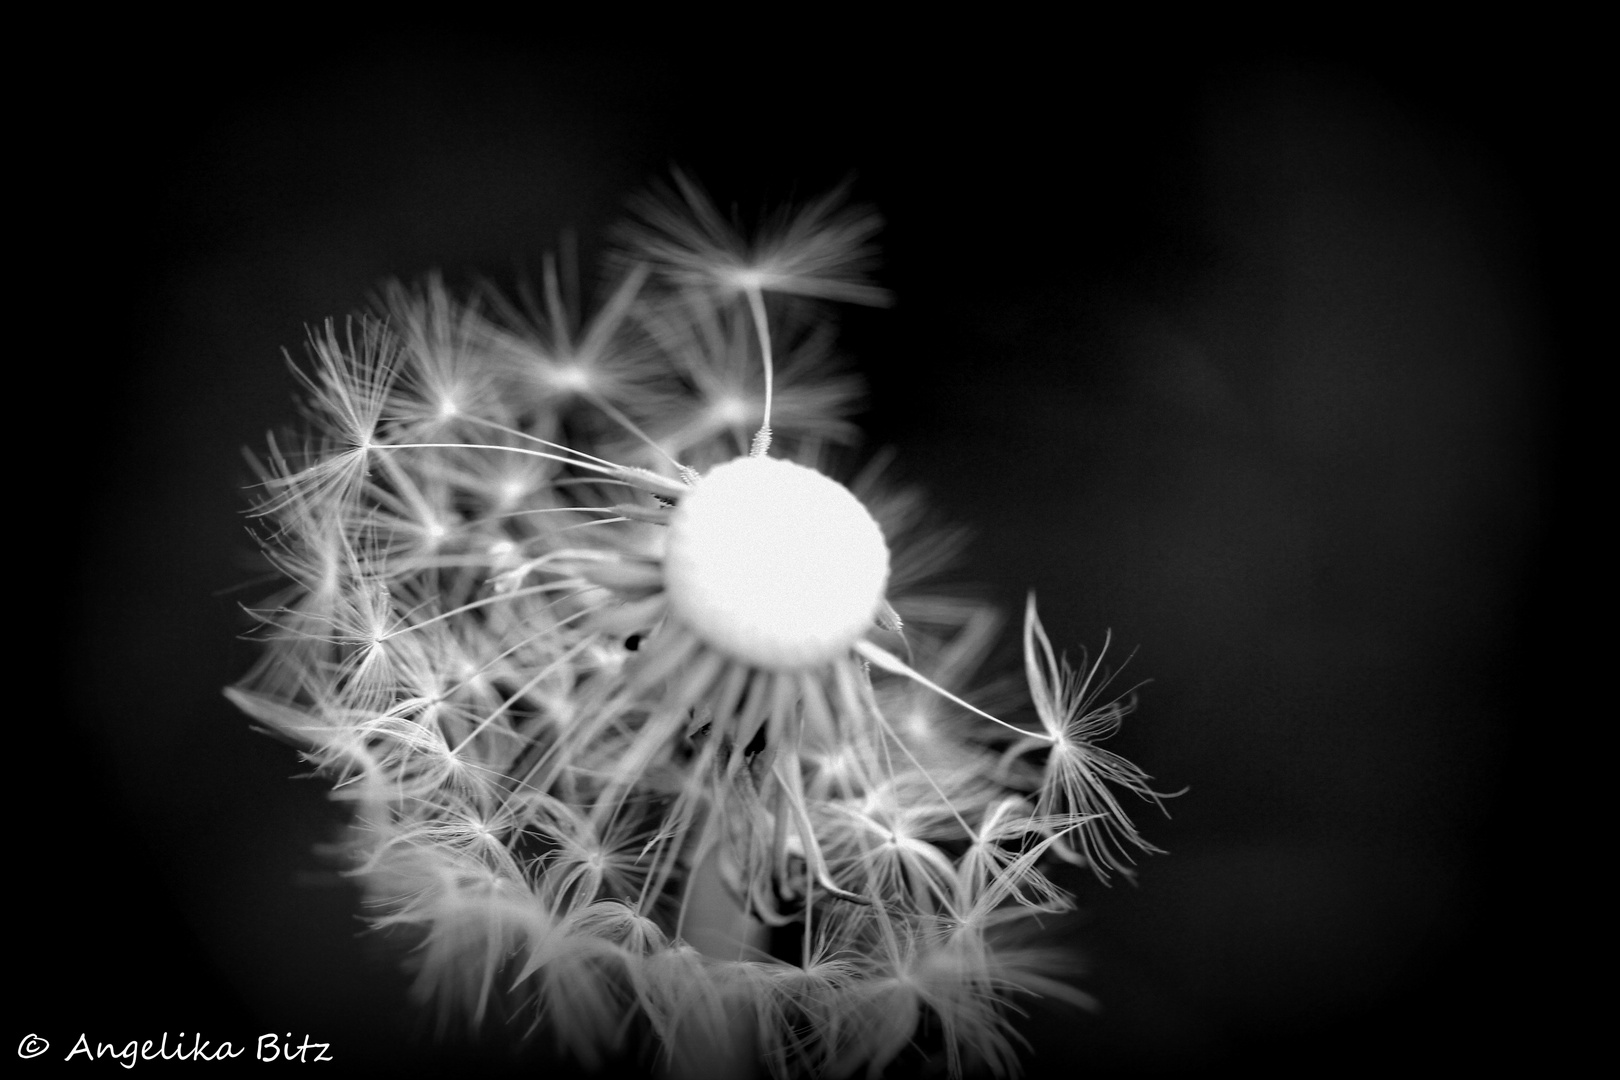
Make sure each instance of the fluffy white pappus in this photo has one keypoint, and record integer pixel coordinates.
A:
(1078, 776)
(649, 725)
(822, 250)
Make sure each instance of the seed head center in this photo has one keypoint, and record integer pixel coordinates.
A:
(774, 564)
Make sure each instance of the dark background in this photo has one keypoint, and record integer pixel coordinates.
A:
(1254, 357)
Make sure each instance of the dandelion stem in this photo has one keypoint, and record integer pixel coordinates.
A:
(715, 923)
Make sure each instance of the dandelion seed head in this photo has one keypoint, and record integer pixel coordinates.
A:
(605, 699)
(775, 564)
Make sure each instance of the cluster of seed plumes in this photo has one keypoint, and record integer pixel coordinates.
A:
(650, 728)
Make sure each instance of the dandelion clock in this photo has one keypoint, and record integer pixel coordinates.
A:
(655, 744)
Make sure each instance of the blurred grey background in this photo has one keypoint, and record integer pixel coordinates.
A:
(1252, 358)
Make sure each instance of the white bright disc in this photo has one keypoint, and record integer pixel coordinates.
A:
(774, 564)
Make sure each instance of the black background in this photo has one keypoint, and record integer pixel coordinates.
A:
(1255, 356)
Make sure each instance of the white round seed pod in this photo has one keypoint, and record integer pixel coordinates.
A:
(774, 564)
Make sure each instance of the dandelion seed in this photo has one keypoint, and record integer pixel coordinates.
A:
(1078, 773)
(616, 677)
(822, 250)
